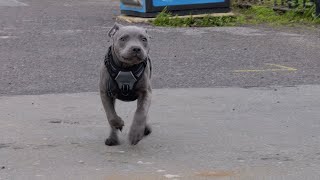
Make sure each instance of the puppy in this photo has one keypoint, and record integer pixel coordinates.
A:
(125, 75)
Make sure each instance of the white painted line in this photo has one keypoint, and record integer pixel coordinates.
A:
(7, 37)
(170, 176)
(279, 68)
(12, 3)
(147, 163)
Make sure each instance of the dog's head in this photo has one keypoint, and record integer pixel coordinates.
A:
(130, 43)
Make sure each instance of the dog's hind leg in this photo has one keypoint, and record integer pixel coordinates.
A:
(115, 122)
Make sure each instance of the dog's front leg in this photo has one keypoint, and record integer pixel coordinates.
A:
(115, 122)
(139, 127)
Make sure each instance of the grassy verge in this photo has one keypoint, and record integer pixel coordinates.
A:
(168, 20)
(254, 15)
(265, 15)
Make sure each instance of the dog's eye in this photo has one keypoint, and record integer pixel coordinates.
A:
(122, 39)
(144, 39)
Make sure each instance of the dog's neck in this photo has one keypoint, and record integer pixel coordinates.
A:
(116, 60)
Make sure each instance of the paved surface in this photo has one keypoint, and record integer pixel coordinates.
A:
(234, 133)
(229, 103)
(57, 46)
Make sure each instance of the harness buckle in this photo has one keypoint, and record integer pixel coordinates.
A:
(125, 81)
(125, 89)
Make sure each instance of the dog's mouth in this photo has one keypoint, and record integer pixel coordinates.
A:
(133, 58)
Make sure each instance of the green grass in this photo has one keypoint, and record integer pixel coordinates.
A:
(167, 19)
(253, 15)
(265, 15)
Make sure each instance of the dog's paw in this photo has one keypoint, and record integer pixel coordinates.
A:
(147, 130)
(111, 141)
(117, 123)
(136, 134)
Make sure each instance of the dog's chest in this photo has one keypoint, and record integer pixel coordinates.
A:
(122, 82)
(123, 86)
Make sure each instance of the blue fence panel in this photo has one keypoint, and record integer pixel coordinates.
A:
(141, 9)
(150, 8)
(182, 2)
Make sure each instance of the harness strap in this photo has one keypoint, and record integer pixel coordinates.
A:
(123, 80)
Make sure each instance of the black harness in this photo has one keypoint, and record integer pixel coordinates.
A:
(123, 80)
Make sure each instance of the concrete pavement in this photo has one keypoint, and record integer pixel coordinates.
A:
(57, 47)
(209, 133)
(205, 132)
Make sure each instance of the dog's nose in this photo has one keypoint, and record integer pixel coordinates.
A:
(136, 50)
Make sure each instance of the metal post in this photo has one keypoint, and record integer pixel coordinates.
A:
(317, 7)
(289, 4)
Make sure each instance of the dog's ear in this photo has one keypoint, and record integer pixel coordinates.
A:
(147, 33)
(114, 29)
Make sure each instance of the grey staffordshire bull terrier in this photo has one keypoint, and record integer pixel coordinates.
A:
(125, 75)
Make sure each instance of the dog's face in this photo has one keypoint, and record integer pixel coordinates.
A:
(130, 43)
